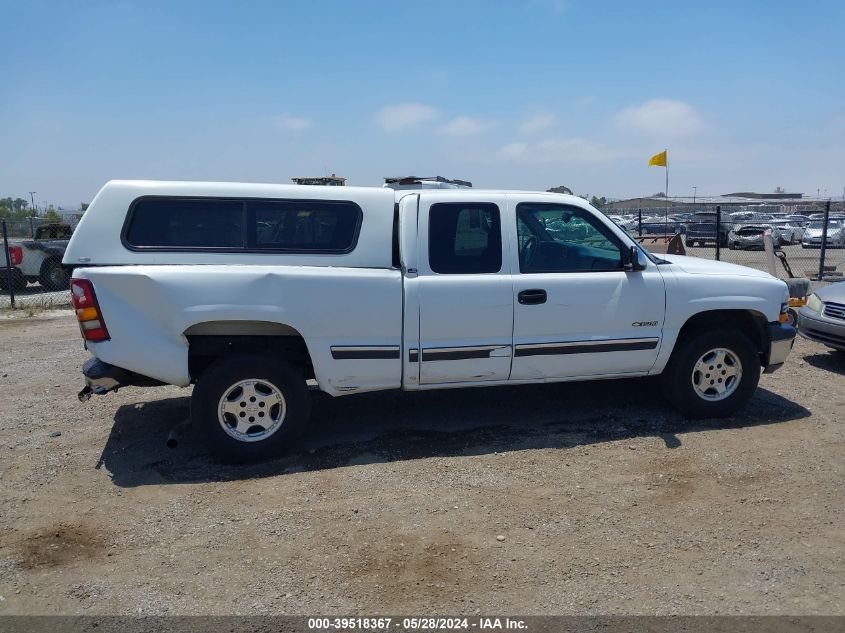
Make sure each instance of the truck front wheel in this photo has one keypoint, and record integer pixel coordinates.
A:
(250, 407)
(712, 374)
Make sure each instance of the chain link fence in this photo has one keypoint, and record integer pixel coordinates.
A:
(31, 271)
(812, 245)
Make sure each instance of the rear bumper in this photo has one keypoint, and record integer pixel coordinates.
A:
(100, 378)
(821, 331)
(781, 340)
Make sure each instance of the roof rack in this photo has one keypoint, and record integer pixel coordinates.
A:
(425, 182)
(325, 181)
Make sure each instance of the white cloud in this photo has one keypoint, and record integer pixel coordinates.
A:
(571, 151)
(537, 123)
(661, 117)
(292, 123)
(465, 126)
(403, 115)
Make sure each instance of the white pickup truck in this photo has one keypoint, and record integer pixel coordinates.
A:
(248, 291)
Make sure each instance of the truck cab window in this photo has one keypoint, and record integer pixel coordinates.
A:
(464, 238)
(558, 238)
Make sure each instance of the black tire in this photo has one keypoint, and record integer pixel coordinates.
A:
(678, 376)
(218, 380)
(54, 276)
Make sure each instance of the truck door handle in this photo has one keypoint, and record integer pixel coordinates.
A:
(534, 296)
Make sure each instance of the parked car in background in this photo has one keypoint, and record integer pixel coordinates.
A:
(701, 230)
(799, 219)
(750, 236)
(790, 231)
(662, 225)
(812, 237)
(38, 259)
(747, 217)
(823, 318)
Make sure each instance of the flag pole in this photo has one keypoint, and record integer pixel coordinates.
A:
(666, 217)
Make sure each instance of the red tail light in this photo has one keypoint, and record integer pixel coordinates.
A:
(88, 312)
(15, 255)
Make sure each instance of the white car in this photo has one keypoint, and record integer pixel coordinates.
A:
(248, 290)
(790, 231)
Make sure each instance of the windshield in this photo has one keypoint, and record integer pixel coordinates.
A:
(819, 224)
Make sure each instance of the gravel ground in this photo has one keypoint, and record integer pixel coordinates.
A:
(561, 499)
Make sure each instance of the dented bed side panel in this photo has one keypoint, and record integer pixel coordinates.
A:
(351, 319)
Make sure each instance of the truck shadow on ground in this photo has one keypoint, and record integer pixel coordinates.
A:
(829, 361)
(393, 426)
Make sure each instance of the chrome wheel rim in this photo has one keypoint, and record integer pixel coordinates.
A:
(717, 374)
(251, 410)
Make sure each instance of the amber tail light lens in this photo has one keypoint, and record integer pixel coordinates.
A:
(88, 313)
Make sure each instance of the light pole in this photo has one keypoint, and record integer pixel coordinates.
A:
(694, 191)
(32, 199)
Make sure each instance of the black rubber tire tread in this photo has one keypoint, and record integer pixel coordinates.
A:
(676, 377)
(45, 280)
(227, 370)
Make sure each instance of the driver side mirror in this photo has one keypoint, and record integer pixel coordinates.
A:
(635, 260)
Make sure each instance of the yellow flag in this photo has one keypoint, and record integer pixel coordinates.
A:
(658, 160)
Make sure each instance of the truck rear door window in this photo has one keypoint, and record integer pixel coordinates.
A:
(303, 225)
(464, 238)
(173, 223)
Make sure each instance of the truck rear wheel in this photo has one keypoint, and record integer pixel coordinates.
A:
(54, 276)
(250, 407)
(712, 374)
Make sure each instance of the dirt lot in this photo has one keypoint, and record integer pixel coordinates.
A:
(557, 499)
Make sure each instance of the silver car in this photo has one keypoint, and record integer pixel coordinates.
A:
(823, 318)
(813, 235)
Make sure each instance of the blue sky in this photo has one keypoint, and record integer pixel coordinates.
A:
(517, 94)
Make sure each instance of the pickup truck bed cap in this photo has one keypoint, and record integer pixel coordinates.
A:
(98, 237)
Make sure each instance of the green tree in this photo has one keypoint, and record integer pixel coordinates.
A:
(51, 215)
(14, 208)
(560, 189)
(598, 202)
